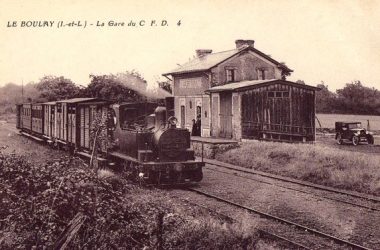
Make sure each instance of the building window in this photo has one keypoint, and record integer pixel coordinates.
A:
(278, 94)
(230, 75)
(191, 104)
(261, 74)
(199, 111)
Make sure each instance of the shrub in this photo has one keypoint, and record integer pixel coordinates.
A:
(40, 202)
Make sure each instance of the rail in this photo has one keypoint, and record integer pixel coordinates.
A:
(290, 180)
(281, 220)
(295, 189)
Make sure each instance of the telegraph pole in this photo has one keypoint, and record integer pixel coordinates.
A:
(22, 90)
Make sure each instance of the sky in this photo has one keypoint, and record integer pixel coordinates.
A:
(332, 41)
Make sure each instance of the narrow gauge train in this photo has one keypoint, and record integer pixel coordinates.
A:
(145, 141)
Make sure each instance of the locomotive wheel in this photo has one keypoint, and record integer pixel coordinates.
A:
(370, 139)
(129, 170)
(339, 139)
(198, 175)
(355, 140)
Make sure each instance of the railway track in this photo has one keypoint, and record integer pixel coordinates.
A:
(294, 189)
(229, 219)
(362, 196)
(281, 220)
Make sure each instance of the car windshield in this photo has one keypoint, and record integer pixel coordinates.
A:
(354, 125)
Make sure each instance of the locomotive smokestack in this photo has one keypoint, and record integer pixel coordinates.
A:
(160, 114)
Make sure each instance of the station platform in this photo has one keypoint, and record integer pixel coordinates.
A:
(209, 146)
(212, 140)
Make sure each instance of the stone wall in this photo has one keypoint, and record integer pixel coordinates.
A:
(246, 66)
(211, 149)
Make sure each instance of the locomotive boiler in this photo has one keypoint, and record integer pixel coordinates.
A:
(148, 144)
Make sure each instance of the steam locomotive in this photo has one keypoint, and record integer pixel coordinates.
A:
(144, 137)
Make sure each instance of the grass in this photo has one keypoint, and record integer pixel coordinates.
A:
(314, 163)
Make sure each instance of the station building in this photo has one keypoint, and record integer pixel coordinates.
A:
(242, 94)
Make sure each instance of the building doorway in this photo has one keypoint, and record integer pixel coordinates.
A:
(225, 115)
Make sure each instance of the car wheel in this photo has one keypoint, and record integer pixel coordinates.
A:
(339, 139)
(370, 139)
(355, 140)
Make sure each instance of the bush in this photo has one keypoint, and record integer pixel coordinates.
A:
(39, 202)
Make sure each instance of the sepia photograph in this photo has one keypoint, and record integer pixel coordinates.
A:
(248, 124)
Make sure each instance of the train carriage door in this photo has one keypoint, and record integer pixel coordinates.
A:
(64, 121)
(58, 121)
(46, 120)
(225, 115)
(81, 125)
(70, 123)
(87, 127)
(52, 120)
(18, 122)
(91, 124)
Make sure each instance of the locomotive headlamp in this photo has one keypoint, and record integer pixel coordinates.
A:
(172, 120)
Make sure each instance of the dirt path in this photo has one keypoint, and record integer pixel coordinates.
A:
(15, 143)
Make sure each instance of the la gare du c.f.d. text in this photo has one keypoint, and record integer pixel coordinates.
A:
(110, 23)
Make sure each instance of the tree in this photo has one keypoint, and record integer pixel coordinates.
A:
(165, 85)
(284, 73)
(325, 99)
(122, 87)
(355, 98)
(54, 88)
(11, 93)
(300, 82)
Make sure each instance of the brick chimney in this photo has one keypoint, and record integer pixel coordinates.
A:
(202, 52)
(240, 42)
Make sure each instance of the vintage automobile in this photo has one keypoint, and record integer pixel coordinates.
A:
(352, 132)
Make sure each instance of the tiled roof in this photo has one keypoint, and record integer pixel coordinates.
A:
(204, 62)
(254, 83)
(208, 61)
